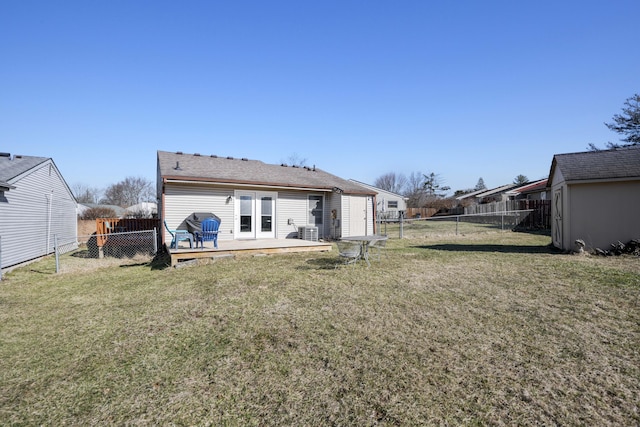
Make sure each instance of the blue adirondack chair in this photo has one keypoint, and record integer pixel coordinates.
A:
(178, 236)
(208, 233)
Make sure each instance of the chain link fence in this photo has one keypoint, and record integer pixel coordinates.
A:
(455, 224)
(113, 248)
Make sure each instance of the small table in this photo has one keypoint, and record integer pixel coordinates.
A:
(366, 242)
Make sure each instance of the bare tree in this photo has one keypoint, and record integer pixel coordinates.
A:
(296, 160)
(129, 192)
(98, 212)
(414, 190)
(85, 194)
(392, 182)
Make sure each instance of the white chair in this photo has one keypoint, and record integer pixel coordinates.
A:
(377, 248)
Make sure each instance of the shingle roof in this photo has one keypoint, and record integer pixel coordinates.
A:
(10, 168)
(619, 163)
(195, 167)
(529, 187)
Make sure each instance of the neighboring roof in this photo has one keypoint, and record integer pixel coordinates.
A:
(616, 164)
(144, 207)
(496, 190)
(530, 187)
(12, 167)
(471, 194)
(229, 170)
(379, 190)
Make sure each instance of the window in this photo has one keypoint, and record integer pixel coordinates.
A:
(392, 204)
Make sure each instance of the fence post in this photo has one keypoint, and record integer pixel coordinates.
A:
(55, 248)
(502, 221)
(457, 221)
(155, 241)
(401, 226)
(0, 258)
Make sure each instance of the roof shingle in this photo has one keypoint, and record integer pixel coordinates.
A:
(203, 168)
(596, 165)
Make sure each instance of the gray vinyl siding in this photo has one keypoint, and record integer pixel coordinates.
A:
(181, 200)
(294, 205)
(37, 209)
(290, 205)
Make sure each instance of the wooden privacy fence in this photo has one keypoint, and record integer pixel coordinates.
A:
(106, 226)
(540, 217)
(420, 212)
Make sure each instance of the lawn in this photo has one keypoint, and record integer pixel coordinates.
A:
(489, 329)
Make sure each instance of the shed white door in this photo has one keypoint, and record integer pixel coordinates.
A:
(255, 215)
(357, 216)
(557, 218)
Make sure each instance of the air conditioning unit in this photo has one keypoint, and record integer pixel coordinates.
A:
(308, 232)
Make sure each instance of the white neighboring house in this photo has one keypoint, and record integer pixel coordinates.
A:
(389, 205)
(36, 204)
(142, 210)
(256, 200)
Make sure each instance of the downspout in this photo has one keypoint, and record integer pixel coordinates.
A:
(50, 202)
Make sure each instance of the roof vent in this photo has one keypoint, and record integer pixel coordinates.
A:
(284, 165)
(196, 154)
(5, 154)
(229, 158)
(214, 156)
(177, 166)
(179, 152)
(244, 159)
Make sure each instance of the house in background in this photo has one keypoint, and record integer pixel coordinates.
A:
(256, 200)
(118, 211)
(536, 190)
(595, 198)
(389, 205)
(36, 204)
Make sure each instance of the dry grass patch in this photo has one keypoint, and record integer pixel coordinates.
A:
(491, 330)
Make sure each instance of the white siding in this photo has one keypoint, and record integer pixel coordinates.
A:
(183, 199)
(294, 205)
(290, 205)
(39, 208)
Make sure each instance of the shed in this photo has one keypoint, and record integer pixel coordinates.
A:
(389, 205)
(36, 204)
(595, 197)
(257, 200)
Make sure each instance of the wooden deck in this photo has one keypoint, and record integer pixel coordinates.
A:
(245, 247)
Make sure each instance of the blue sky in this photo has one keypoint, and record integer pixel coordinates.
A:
(464, 89)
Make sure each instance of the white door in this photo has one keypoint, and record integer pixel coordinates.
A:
(255, 215)
(357, 216)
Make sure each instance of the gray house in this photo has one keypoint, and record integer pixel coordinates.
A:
(256, 200)
(36, 204)
(595, 197)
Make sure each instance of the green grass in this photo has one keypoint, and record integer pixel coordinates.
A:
(491, 329)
